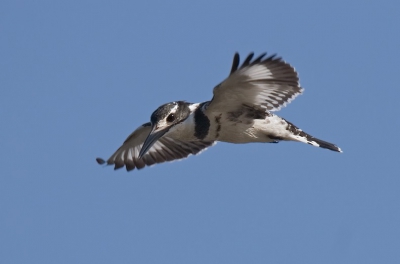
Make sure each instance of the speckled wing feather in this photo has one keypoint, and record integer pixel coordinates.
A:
(269, 83)
(165, 149)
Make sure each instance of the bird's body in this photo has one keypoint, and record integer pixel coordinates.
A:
(240, 112)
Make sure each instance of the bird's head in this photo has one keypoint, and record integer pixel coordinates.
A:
(162, 120)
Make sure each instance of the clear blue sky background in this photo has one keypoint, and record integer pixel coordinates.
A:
(76, 77)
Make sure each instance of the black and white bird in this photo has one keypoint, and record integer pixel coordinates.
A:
(239, 112)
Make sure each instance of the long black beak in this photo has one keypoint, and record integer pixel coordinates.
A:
(154, 135)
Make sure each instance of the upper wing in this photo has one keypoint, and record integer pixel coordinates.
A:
(165, 149)
(269, 83)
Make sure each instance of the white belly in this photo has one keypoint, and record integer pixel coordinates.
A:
(257, 130)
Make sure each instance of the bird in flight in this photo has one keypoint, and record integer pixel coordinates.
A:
(239, 112)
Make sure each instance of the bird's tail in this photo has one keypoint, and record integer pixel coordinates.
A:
(301, 136)
(322, 144)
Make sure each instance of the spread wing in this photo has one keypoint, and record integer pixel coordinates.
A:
(165, 149)
(268, 83)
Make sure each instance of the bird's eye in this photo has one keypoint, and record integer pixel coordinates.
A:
(171, 118)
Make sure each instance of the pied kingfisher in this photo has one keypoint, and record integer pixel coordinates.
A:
(239, 112)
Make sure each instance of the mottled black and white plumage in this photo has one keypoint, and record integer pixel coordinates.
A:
(239, 112)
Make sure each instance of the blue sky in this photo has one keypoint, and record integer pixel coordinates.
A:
(77, 77)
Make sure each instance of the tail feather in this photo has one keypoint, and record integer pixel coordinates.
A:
(300, 135)
(322, 144)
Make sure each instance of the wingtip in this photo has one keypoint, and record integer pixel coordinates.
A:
(235, 62)
(100, 161)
